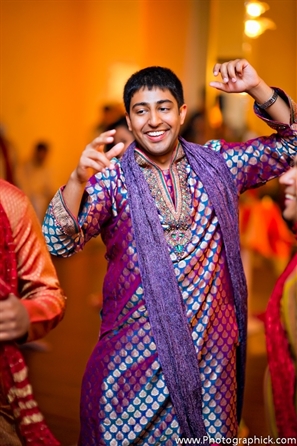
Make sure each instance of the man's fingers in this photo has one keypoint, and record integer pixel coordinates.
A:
(94, 159)
(217, 85)
(115, 151)
(103, 139)
(97, 160)
(230, 71)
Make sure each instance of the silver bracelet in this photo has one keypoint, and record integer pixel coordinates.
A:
(269, 102)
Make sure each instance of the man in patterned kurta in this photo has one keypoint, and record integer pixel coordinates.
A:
(131, 384)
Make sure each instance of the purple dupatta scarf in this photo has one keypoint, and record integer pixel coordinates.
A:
(166, 310)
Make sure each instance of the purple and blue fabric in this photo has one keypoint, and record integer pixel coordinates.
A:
(124, 397)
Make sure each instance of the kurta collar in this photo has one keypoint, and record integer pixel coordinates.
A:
(143, 159)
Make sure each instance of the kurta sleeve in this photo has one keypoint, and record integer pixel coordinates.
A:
(38, 284)
(254, 162)
(280, 127)
(63, 233)
(66, 234)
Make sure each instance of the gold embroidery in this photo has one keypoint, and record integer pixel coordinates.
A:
(66, 220)
(176, 218)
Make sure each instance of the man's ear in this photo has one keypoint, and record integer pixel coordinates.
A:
(183, 112)
(128, 121)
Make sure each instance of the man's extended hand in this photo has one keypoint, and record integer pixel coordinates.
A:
(237, 76)
(93, 159)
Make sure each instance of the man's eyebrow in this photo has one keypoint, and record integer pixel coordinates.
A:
(144, 104)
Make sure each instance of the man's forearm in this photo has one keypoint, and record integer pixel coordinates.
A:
(72, 195)
(279, 110)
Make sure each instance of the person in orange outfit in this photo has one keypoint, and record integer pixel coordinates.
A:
(31, 304)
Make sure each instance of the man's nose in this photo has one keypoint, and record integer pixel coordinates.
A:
(154, 119)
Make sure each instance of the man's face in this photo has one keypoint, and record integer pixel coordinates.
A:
(155, 120)
(289, 181)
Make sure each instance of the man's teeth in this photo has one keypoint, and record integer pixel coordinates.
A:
(290, 197)
(155, 133)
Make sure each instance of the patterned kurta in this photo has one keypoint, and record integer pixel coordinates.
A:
(38, 285)
(124, 395)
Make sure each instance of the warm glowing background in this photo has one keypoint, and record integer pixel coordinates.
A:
(61, 60)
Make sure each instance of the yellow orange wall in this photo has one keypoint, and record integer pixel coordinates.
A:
(274, 53)
(61, 60)
(57, 60)
(43, 63)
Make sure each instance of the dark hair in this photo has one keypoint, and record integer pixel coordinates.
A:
(41, 146)
(153, 77)
(121, 122)
(188, 131)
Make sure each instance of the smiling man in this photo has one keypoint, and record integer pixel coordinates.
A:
(155, 116)
(170, 358)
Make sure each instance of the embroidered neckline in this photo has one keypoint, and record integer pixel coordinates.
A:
(176, 216)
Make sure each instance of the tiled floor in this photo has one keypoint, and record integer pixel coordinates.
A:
(56, 374)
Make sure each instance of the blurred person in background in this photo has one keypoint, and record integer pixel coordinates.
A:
(281, 332)
(122, 133)
(31, 304)
(170, 359)
(196, 129)
(35, 178)
(8, 157)
(109, 113)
